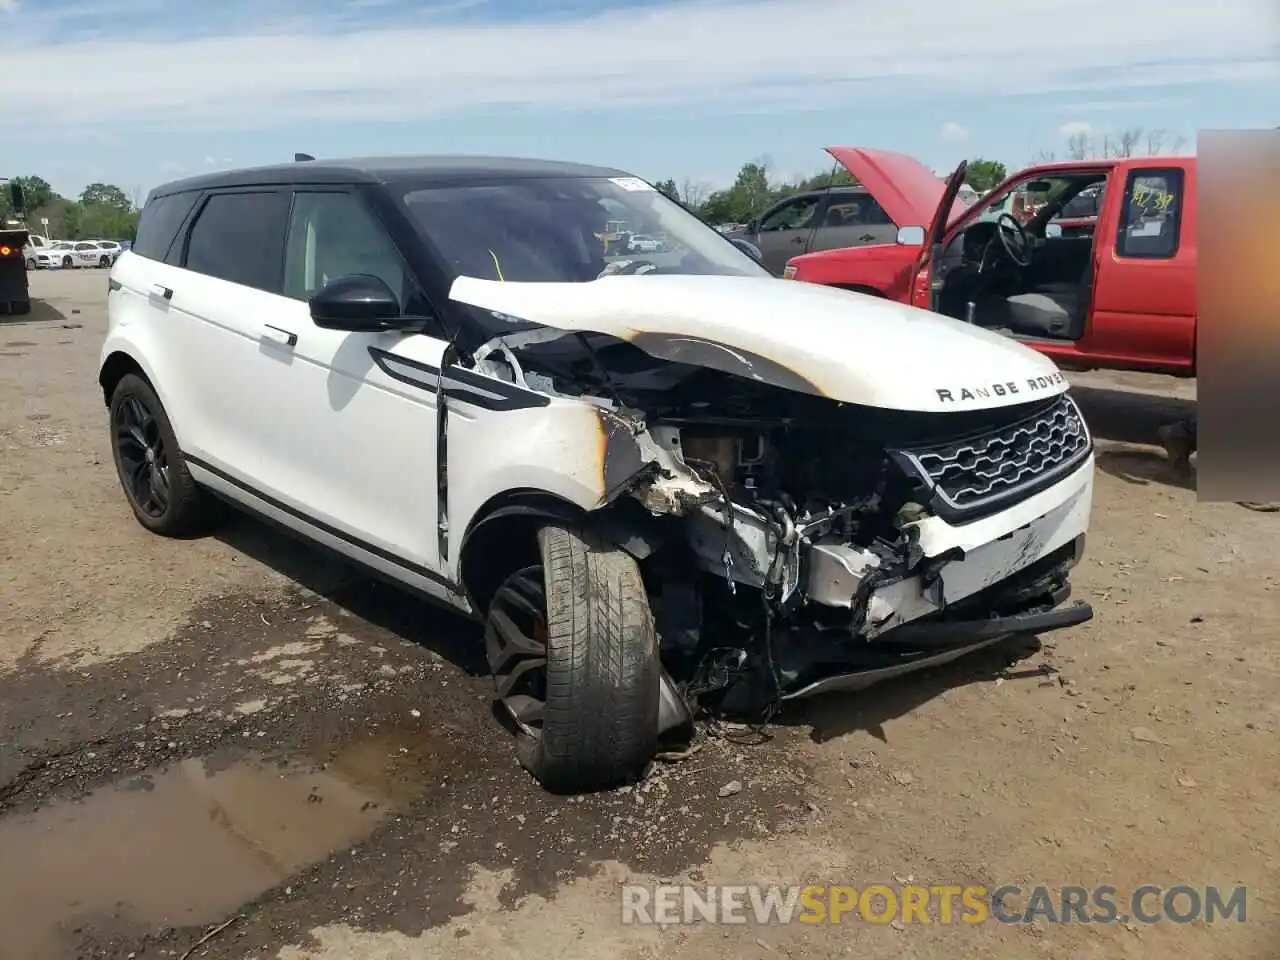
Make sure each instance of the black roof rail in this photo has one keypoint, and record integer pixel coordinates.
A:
(300, 157)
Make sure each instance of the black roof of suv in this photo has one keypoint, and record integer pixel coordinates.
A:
(442, 169)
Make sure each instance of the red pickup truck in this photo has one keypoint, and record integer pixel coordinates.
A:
(1114, 290)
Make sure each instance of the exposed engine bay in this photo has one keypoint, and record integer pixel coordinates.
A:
(795, 543)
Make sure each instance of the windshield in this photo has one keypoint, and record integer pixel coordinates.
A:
(1024, 200)
(569, 230)
(1027, 199)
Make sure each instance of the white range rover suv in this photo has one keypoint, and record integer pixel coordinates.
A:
(667, 483)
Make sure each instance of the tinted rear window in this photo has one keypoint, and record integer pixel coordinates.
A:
(159, 223)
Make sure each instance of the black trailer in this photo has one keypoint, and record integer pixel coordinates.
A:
(15, 295)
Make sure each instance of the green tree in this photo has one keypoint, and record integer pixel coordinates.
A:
(107, 195)
(100, 221)
(35, 191)
(820, 181)
(668, 188)
(983, 174)
(749, 196)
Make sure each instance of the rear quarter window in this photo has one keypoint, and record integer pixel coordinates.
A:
(159, 223)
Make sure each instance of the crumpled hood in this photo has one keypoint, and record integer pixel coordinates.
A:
(846, 346)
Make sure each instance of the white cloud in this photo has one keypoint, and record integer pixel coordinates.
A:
(8, 6)
(305, 70)
(1075, 128)
(953, 132)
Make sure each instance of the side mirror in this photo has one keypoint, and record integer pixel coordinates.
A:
(749, 248)
(753, 226)
(16, 199)
(359, 303)
(1052, 231)
(911, 236)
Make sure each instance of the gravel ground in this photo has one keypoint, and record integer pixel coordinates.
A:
(238, 729)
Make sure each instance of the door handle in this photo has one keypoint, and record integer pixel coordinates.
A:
(867, 237)
(279, 335)
(161, 291)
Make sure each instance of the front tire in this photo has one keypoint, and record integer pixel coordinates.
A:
(104, 262)
(66, 263)
(574, 653)
(152, 470)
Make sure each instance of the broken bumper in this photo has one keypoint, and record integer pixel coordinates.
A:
(970, 635)
(957, 561)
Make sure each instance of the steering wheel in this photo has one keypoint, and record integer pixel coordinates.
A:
(1014, 238)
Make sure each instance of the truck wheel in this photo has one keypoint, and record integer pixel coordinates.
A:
(574, 654)
(66, 262)
(152, 470)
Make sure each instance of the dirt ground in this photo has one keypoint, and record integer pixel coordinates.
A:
(237, 729)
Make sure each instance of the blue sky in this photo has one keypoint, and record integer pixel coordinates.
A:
(136, 92)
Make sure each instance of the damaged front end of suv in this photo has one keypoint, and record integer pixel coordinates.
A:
(806, 517)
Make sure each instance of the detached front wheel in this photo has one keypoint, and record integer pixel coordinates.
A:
(574, 654)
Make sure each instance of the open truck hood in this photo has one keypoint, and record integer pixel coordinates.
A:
(819, 340)
(909, 192)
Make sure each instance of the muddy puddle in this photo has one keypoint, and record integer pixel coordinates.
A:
(188, 843)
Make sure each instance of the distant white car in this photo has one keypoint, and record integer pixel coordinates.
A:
(112, 249)
(642, 244)
(89, 253)
(60, 253)
(35, 244)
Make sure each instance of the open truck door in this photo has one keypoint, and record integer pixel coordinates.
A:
(931, 249)
(919, 202)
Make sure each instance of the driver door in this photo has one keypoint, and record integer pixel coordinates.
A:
(784, 232)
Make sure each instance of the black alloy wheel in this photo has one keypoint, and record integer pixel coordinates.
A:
(153, 471)
(143, 457)
(573, 649)
(516, 646)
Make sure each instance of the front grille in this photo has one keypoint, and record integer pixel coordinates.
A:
(983, 472)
